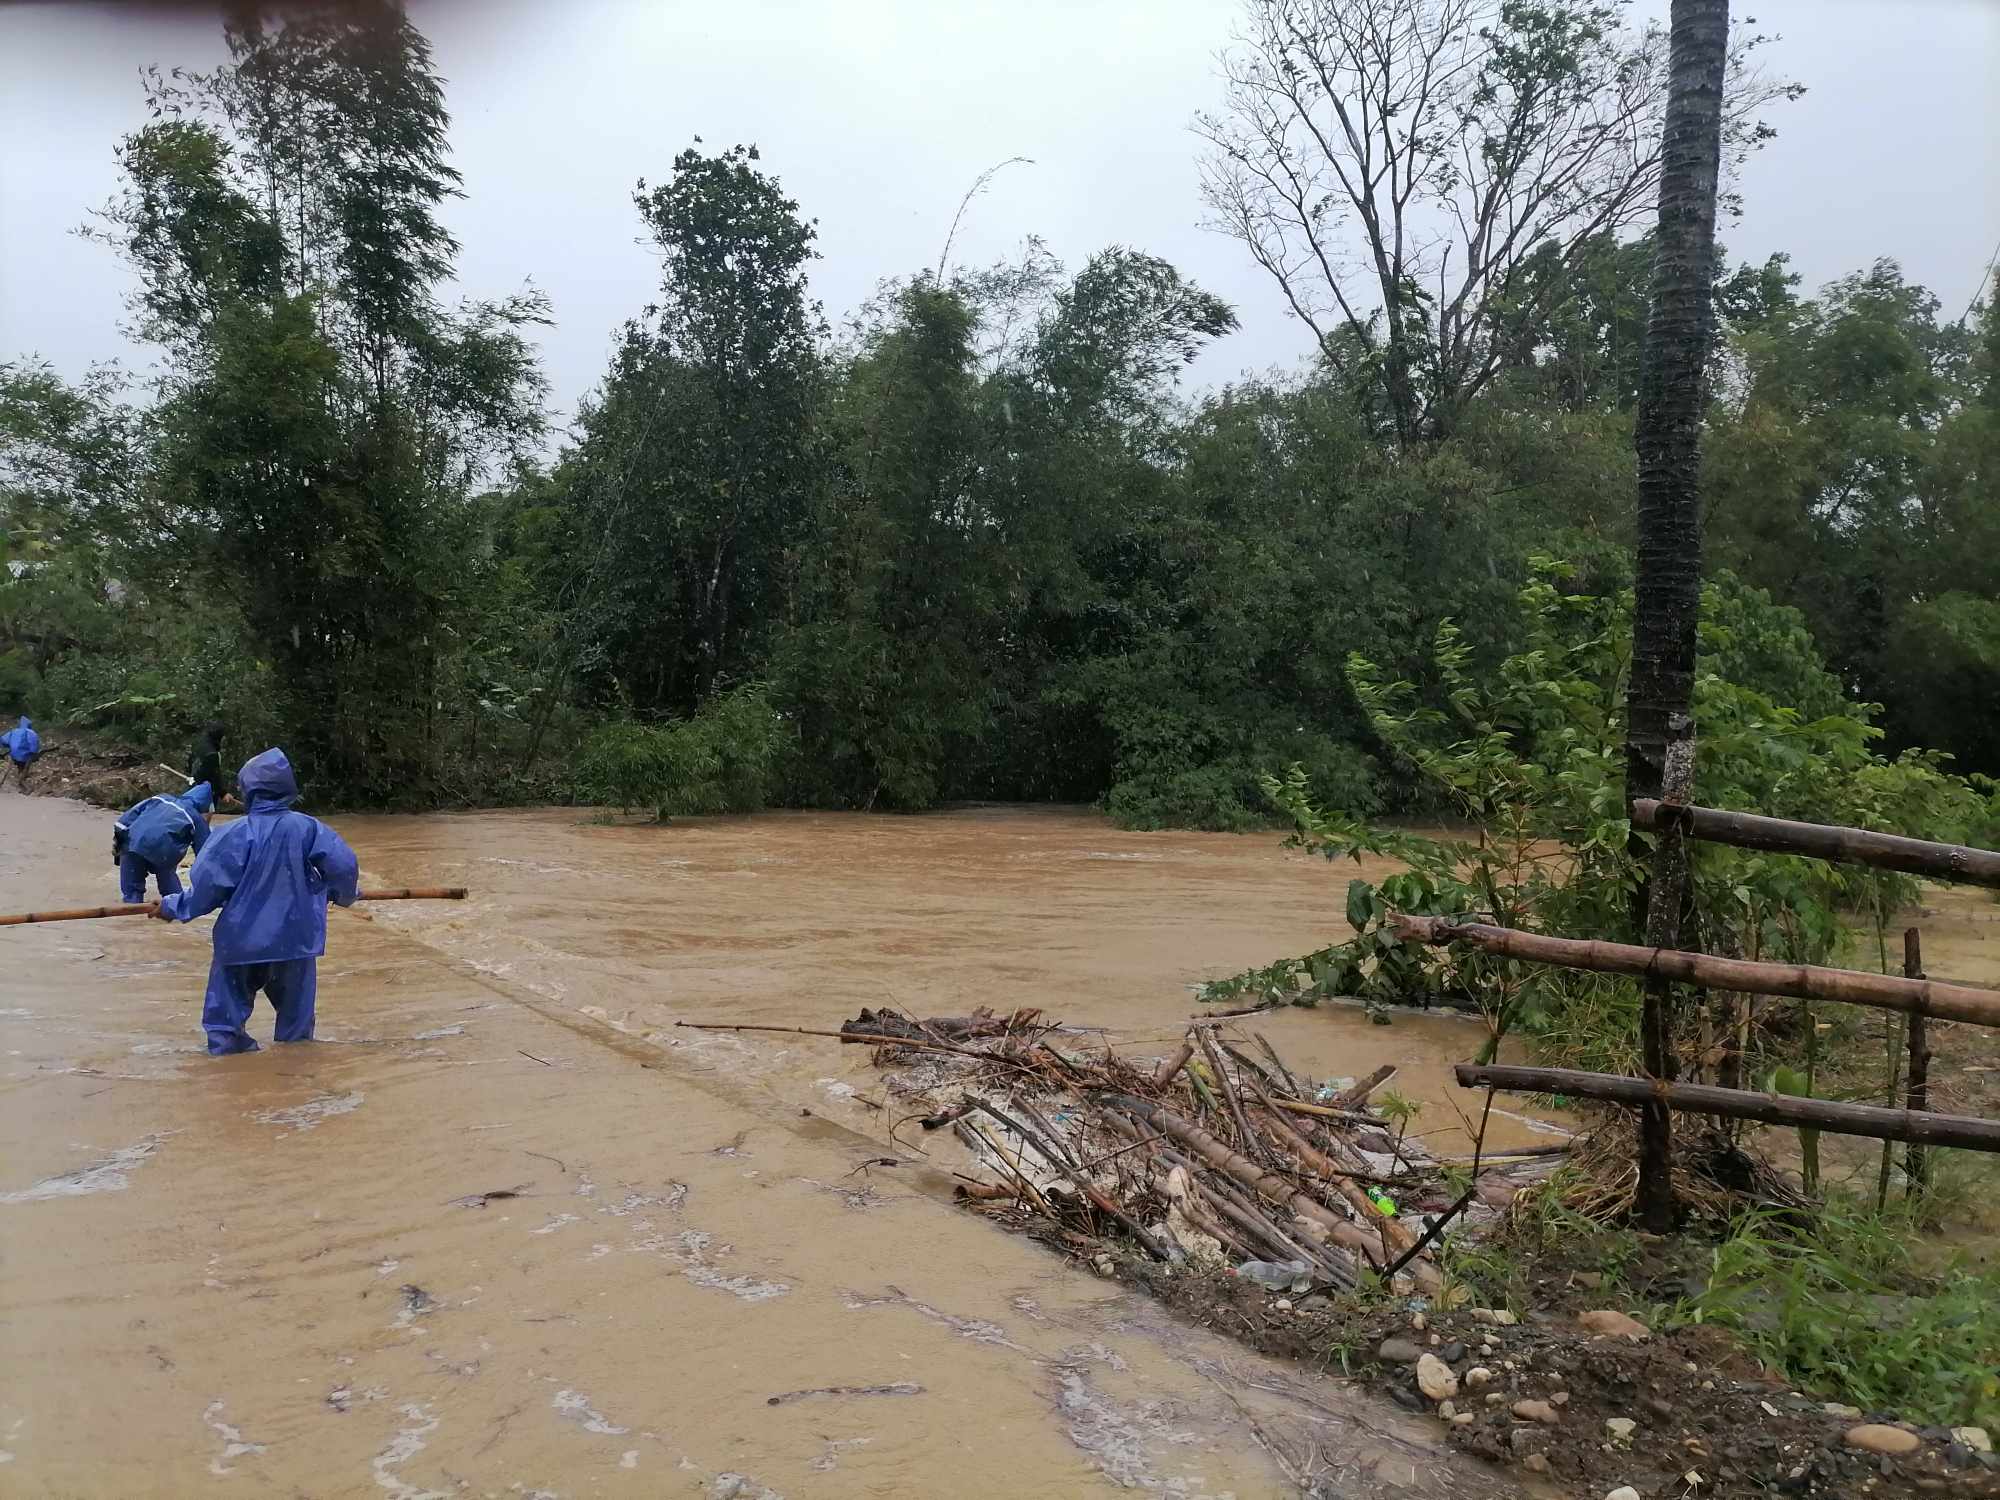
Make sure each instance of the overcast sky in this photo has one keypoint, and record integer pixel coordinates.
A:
(878, 114)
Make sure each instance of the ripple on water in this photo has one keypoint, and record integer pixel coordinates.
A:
(105, 1175)
(307, 1116)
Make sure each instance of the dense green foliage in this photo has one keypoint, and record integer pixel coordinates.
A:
(1529, 757)
(977, 543)
(722, 759)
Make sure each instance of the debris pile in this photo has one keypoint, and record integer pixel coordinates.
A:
(1217, 1153)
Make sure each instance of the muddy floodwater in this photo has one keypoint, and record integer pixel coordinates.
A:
(504, 1230)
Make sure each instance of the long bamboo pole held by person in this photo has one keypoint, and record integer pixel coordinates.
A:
(149, 908)
(1854, 846)
(1914, 1126)
(1930, 997)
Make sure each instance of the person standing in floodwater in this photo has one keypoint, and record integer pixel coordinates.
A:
(205, 763)
(271, 873)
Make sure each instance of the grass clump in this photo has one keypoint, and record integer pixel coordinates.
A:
(1847, 1311)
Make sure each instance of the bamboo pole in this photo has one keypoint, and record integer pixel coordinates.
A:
(1172, 1064)
(1930, 997)
(1917, 1095)
(1870, 1120)
(151, 908)
(1854, 846)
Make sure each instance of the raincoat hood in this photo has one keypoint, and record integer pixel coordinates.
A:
(199, 797)
(267, 780)
(26, 723)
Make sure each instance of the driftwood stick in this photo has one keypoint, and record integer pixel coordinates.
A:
(1264, 1043)
(1103, 1202)
(1172, 1064)
(876, 1038)
(1251, 1144)
(1773, 1109)
(986, 1191)
(1396, 1236)
(1264, 1183)
(1268, 1238)
(1217, 1189)
(976, 1135)
(1357, 1096)
(1930, 997)
(1249, 1067)
(1436, 1229)
(1049, 1133)
(1325, 1112)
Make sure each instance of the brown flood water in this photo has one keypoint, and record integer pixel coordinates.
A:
(273, 1274)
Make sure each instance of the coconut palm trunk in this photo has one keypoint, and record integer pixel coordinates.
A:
(1668, 438)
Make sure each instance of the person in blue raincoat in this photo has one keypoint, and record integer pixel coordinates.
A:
(23, 745)
(151, 838)
(271, 873)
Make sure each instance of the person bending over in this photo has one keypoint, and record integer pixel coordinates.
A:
(270, 873)
(151, 838)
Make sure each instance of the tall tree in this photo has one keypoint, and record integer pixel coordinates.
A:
(699, 453)
(1421, 176)
(323, 420)
(1660, 696)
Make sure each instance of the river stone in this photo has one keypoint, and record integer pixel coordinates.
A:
(1452, 1353)
(1478, 1376)
(1623, 1492)
(1537, 1411)
(1974, 1438)
(1499, 1317)
(1435, 1378)
(1398, 1352)
(1876, 1437)
(1846, 1413)
(1620, 1428)
(1536, 1463)
(1613, 1324)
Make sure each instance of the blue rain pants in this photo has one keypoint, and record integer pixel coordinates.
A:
(292, 985)
(133, 870)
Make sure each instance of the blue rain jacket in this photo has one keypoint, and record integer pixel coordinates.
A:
(22, 742)
(271, 873)
(161, 829)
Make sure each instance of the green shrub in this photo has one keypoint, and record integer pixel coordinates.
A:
(724, 759)
(1530, 756)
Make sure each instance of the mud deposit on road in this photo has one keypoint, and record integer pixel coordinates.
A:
(504, 1231)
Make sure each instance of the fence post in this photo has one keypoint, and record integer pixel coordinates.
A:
(1915, 1166)
(1656, 1023)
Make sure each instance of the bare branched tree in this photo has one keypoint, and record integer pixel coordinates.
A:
(1393, 163)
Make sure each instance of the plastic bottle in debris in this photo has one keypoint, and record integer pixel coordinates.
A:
(1277, 1275)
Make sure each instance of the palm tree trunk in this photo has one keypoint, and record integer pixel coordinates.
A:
(1668, 438)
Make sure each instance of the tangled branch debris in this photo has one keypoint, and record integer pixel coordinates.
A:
(1206, 1155)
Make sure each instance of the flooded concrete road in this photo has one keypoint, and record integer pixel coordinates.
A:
(503, 1231)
